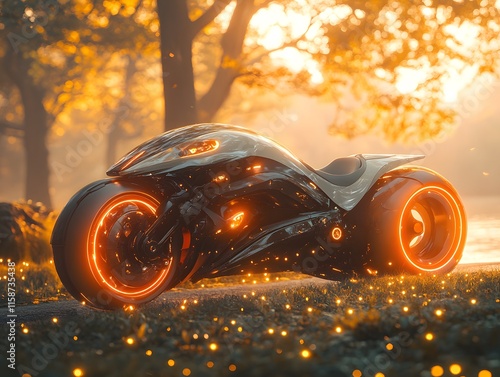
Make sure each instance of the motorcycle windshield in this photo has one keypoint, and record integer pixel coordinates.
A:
(183, 143)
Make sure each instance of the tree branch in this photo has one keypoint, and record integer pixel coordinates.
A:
(206, 18)
(17, 128)
(292, 43)
(264, 4)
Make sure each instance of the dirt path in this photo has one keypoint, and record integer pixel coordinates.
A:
(70, 308)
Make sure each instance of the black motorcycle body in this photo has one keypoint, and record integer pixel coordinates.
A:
(211, 200)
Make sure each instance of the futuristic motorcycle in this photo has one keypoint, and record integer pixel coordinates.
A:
(211, 199)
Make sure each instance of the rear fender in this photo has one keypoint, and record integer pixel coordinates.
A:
(376, 166)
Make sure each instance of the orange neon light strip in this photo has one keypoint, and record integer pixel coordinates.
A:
(456, 207)
(94, 264)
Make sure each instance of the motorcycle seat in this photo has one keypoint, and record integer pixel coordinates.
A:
(343, 171)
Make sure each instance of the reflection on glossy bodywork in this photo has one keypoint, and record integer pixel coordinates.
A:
(161, 154)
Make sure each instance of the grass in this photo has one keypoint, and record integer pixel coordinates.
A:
(36, 283)
(388, 326)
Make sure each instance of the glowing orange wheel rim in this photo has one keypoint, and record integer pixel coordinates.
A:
(110, 250)
(431, 228)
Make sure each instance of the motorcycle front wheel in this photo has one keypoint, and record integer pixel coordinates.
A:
(97, 260)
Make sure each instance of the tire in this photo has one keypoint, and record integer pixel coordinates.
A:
(417, 223)
(94, 254)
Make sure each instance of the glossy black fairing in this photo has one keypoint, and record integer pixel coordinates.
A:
(279, 209)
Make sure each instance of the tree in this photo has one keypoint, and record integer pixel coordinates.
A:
(178, 31)
(47, 49)
(19, 28)
(405, 63)
(371, 57)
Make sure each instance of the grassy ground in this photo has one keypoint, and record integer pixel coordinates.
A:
(389, 326)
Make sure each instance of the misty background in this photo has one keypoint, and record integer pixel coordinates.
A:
(468, 156)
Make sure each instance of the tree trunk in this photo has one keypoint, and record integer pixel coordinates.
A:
(177, 65)
(229, 68)
(35, 130)
(116, 132)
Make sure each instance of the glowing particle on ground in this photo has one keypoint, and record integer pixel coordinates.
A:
(287, 306)
(437, 371)
(171, 363)
(240, 329)
(439, 312)
(232, 367)
(75, 338)
(233, 322)
(309, 309)
(305, 354)
(350, 311)
(484, 373)
(55, 320)
(379, 374)
(25, 330)
(338, 302)
(149, 353)
(405, 309)
(270, 331)
(283, 333)
(389, 346)
(77, 372)
(210, 364)
(195, 336)
(338, 329)
(213, 346)
(473, 301)
(130, 340)
(429, 336)
(186, 371)
(455, 369)
(357, 373)
(391, 301)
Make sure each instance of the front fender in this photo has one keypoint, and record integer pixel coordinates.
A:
(59, 231)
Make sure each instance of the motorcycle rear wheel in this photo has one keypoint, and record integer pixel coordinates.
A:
(418, 223)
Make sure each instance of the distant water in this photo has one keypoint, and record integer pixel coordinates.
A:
(483, 236)
(483, 241)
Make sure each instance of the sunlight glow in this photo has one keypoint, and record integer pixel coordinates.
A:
(408, 79)
(275, 26)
